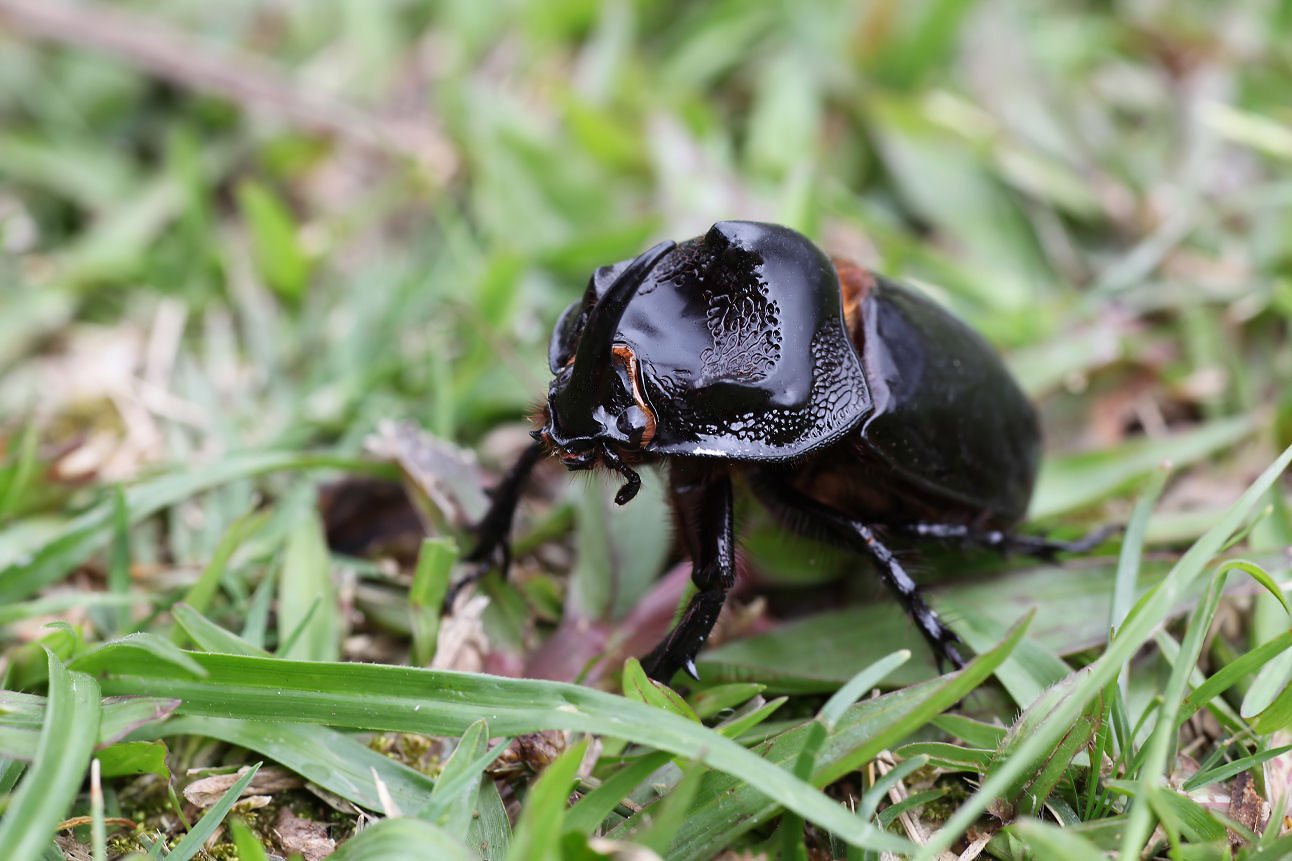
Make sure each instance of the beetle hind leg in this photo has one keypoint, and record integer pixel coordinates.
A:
(1037, 546)
(811, 516)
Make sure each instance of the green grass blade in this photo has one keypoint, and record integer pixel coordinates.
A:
(1259, 574)
(538, 831)
(411, 839)
(308, 627)
(119, 560)
(870, 799)
(1229, 769)
(445, 703)
(62, 758)
(1128, 561)
(194, 840)
(1157, 750)
(490, 831)
(339, 763)
(668, 814)
(87, 533)
(1050, 842)
(16, 475)
(426, 595)
(200, 594)
(246, 842)
(592, 809)
(456, 787)
(210, 637)
(146, 643)
(727, 807)
(1074, 481)
(834, 707)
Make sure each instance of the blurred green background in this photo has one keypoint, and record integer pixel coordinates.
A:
(262, 224)
(238, 227)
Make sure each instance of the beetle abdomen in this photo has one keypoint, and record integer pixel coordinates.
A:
(948, 417)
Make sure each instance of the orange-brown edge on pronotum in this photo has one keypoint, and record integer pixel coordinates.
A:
(854, 283)
(624, 354)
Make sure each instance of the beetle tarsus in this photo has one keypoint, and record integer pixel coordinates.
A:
(951, 654)
(634, 481)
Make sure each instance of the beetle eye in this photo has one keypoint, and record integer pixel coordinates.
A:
(632, 425)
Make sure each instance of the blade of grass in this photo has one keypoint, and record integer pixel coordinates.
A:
(98, 829)
(1158, 747)
(246, 842)
(210, 637)
(426, 595)
(1074, 481)
(592, 809)
(17, 474)
(87, 533)
(62, 758)
(308, 626)
(1124, 586)
(199, 595)
(668, 814)
(455, 789)
(335, 761)
(1229, 769)
(411, 839)
(1049, 841)
(119, 560)
(538, 831)
(196, 838)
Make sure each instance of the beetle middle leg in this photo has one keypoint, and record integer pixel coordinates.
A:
(1008, 542)
(813, 517)
(702, 500)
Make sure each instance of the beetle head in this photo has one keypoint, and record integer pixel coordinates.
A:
(595, 404)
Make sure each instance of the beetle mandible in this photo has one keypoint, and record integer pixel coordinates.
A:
(844, 401)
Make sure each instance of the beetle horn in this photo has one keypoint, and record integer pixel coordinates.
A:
(599, 331)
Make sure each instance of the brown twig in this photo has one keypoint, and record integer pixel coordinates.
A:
(252, 81)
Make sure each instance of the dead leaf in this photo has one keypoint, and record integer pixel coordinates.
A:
(305, 836)
(1246, 806)
(207, 791)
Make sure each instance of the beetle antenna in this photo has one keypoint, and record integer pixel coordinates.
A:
(634, 483)
(594, 345)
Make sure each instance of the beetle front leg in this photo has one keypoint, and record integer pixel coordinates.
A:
(493, 532)
(702, 500)
(803, 511)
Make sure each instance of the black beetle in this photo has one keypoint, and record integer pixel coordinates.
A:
(843, 400)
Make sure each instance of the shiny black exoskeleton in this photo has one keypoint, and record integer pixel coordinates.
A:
(844, 401)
